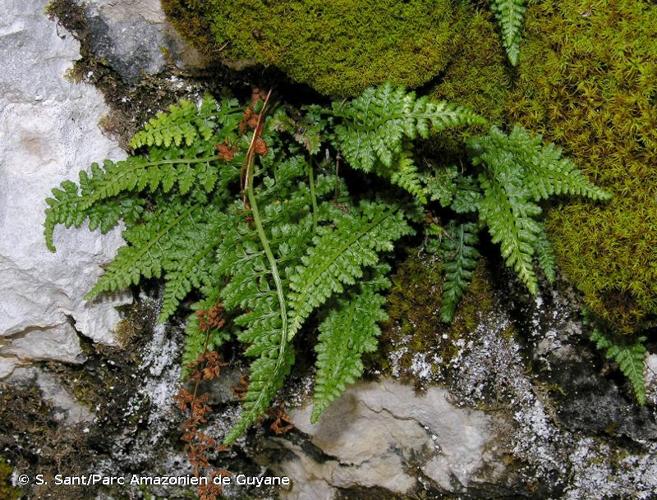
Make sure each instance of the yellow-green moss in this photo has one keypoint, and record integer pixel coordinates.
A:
(7, 491)
(478, 76)
(588, 81)
(339, 47)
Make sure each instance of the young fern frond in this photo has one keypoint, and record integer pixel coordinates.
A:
(460, 257)
(509, 15)
(349, 331)
(631, 359)
(339, 255)
(441, 185)
(406, 176)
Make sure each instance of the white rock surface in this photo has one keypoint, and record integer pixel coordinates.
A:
(49, 131)
(379, 434)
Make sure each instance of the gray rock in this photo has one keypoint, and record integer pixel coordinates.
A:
(49, 131)
(129, 35)
(134, 36)
(651, 378)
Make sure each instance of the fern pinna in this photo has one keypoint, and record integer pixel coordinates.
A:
(239, 206)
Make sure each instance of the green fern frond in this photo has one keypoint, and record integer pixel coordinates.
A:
(467, 195)
(546, 173)
(631, 359)
(509, 15)
(250, 289)
(441, 185)
(518, 172)
(184, 123)
(460, 257)
(252, 257)
(509, 216)
(147, 252)
(139, 173)
(373, 126)
(190, 260)
(65, 207)
(406, 176)
(339, 255)
(349, 330)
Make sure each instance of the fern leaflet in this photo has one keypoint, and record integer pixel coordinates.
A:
(339, 255)
(374, 125)
(631, 359)
(545, 255)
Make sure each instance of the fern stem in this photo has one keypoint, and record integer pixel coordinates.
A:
(250, 158)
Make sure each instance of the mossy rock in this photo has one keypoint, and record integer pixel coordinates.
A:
(478, 76)
(338, 47)
(588, 81)
(414, 323)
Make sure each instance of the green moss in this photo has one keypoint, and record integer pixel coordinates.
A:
(414, 315)
(338, 47)
(588, 81)
(477, 77)
(7, 492)
(192, 19)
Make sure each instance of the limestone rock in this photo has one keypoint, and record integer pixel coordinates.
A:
(134, 37)
(49, 132)
(128, 35)
(380, 434)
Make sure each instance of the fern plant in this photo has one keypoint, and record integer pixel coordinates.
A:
(630, 357)
(238, 205)
(509, 15)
